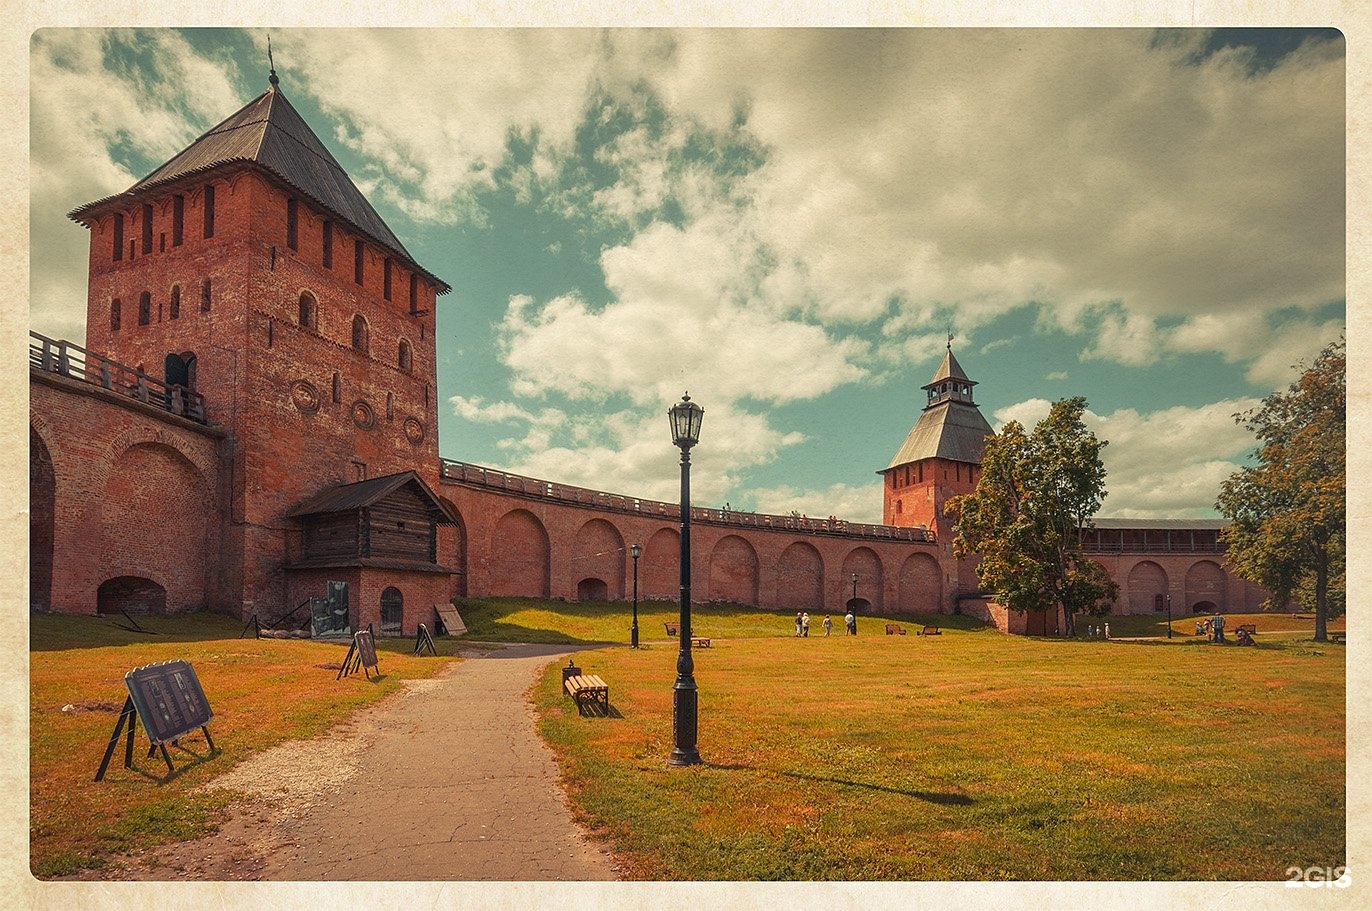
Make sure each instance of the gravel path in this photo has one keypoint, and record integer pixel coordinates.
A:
(446, 781)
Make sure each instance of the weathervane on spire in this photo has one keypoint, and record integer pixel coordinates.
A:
(271, 64)
(950, 340)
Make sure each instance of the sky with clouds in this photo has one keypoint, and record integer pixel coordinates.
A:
(788, 223)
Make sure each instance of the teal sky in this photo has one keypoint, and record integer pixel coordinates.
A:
(788, 224)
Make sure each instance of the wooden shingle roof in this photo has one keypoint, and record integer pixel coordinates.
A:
(361, 494)
(268, 133)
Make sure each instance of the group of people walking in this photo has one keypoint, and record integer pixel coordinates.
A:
(803, 624)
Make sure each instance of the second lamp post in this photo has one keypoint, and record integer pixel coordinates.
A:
(686, 416)
(635, 551)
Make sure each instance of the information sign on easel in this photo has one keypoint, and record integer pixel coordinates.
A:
(361, 654)
(168, 699)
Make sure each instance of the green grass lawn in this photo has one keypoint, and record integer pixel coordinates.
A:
(261, 691)
(606, 622)
(972, 755)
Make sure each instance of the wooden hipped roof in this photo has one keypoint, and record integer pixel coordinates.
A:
(269, 134)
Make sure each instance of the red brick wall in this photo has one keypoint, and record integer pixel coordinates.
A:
(136, 493)
(513, 543)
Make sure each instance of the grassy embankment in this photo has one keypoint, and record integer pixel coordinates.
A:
(261, 691)
(971, 755)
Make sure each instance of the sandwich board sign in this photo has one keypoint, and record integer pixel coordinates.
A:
(168, 699)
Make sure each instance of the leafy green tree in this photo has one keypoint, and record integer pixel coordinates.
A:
(1035, 496)
(1288, 510)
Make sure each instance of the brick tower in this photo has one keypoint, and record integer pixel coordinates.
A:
(940, 457)
(251, 269)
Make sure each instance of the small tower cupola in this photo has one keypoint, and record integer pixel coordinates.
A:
(950, 383)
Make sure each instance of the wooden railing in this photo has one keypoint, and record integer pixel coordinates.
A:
(477, 476)
(1153, 547)
(74, 362)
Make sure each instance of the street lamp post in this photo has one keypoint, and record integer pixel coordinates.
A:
(635, 551)
(1169, 616)
(686, 417)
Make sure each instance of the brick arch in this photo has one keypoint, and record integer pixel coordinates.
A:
(154, 522)
(871, 577)
(42, 520)
(521, 556)
(733, 571)
(800, 578)
(659, 569)
(920, 585)
(598, 552)
(1146, 583)
(141, 436)
(243, 177)
(1205, 582)
(131, 594)
(452, 548)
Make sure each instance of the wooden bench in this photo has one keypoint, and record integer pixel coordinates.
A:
(588, 690)
(895, 629)
(700, 642)
(671, 627)
(1337, 635)
(1249, 628)
(930, 631)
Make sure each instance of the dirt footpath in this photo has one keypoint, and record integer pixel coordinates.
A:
(446, 781)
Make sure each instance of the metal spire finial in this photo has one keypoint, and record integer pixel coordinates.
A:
(271, 64)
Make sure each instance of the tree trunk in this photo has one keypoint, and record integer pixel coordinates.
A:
(1321, 597)
(1069, 623)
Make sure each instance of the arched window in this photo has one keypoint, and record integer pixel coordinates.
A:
(209, 213)
(175, 306)
(307, 315)
(144, 308)
(392, 610)
(114, 314)
(293, 224)
(360, 340)
(405, 358)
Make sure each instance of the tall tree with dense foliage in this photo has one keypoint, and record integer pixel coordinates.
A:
(1288, 509)
(1036, 494)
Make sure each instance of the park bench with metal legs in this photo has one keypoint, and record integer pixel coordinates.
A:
(1337, 636)
(931, 631)
(671, 627)
(895, 629)
(588, 690)
(1249, 628)
(700, 642)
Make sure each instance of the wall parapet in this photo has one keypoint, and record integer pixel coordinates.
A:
(74, 362)
(518, 485)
